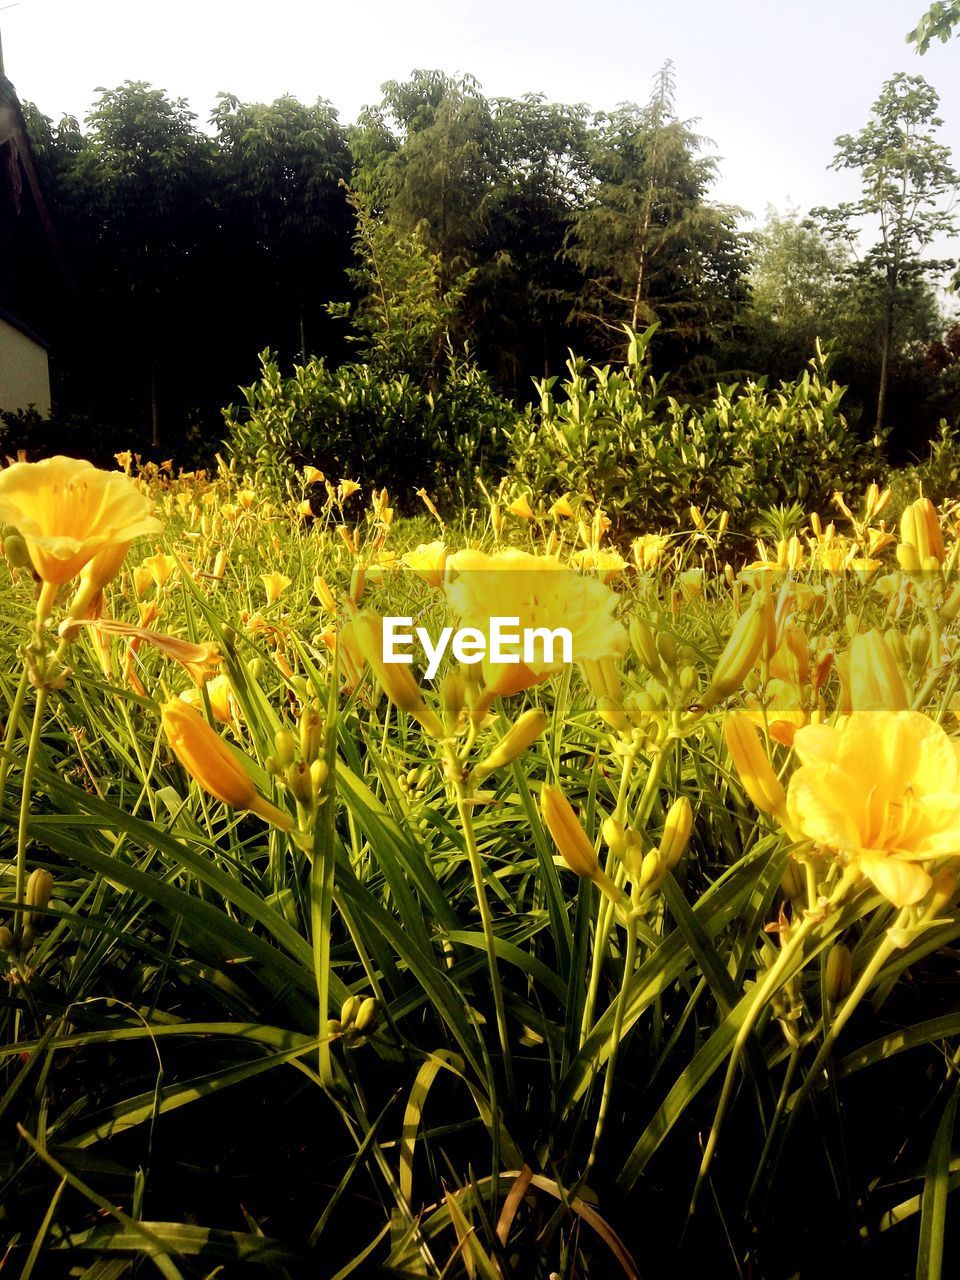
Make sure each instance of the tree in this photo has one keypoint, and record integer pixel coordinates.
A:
(281, 168)
(938, 23)
(906, 174)
(652, 248)
(406, 311)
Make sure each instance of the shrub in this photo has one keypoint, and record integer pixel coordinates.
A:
(356, 422)
(614, 436)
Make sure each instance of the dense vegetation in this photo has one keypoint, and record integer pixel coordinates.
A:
(446, 237)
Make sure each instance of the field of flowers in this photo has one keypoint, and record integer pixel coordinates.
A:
(631, 966)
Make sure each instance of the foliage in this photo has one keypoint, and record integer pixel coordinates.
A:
(360, 422)
(653, 250)
(938, 23)
(229, 1049)
(408, 306)
(615, 436)
(906, 175)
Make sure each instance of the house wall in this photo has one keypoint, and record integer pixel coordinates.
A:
(24, 371)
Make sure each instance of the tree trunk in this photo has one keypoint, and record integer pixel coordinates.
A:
(884, 367)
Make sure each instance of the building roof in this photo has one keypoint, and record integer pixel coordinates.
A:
(9, 318)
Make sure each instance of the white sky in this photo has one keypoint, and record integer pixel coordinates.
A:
(772, 82)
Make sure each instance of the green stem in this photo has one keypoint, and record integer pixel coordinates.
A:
(11, 732)
(884, 951)
(465, 810)
(629, 965)
(35, 730)
(765, 991)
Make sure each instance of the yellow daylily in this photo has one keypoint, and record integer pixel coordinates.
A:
(429, 560)
(274, 585)
(648, 550)
(881, 789)
(540, 592)
(67, 511)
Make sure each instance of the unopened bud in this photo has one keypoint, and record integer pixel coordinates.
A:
(285, 747)
(300, 781)
(514, 742)
(838, 977)
(39, 889)
(676, 832)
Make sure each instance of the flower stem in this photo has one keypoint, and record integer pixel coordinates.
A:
(35, 731)
(13, 723)
(465, 810)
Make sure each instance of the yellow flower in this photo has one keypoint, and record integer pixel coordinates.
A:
(539, 592)
(346, 489)
(365, 632)
(321, 590)
(313, 475)
(648, 550)
(200, 661)
(429, 561)
(274, 584)
(521, 507)
(562, 509)
(751, 763)
(573, 843)
(882, 789)
(211, 763)
(67, 511)
(606, 564)
(159, 567)
(246, 498)
(222, 702)
(690, 583)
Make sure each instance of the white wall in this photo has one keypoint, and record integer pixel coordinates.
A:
(24, 372)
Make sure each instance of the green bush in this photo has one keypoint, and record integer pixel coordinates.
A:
(615, 437)
(353, 421)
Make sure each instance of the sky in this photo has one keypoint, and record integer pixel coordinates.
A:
(772, 83)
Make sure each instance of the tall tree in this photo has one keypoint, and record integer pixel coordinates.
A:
(906, 177)
(281, 169)
(651, 246)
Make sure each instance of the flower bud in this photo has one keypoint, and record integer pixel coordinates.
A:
(602, 677)
(920, 527)
(311, 732)
(652, 870)
(210, 762)
(612, 714)
(366, 1016)
(6, 939)
(568, 835)
(742, 650)
(908, 557)
(951, 606)
(285, 746)
(644, 641)
(299, 780)
(676, 832)
(875, 680)
(752, 765)
(16, 553)
(39, 889)
(614, 836)
(319, 772)
(838, 977)
(348, 1012)
(395, 678)
(514, 742)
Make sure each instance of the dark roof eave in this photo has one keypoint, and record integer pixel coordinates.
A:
(24, 329)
